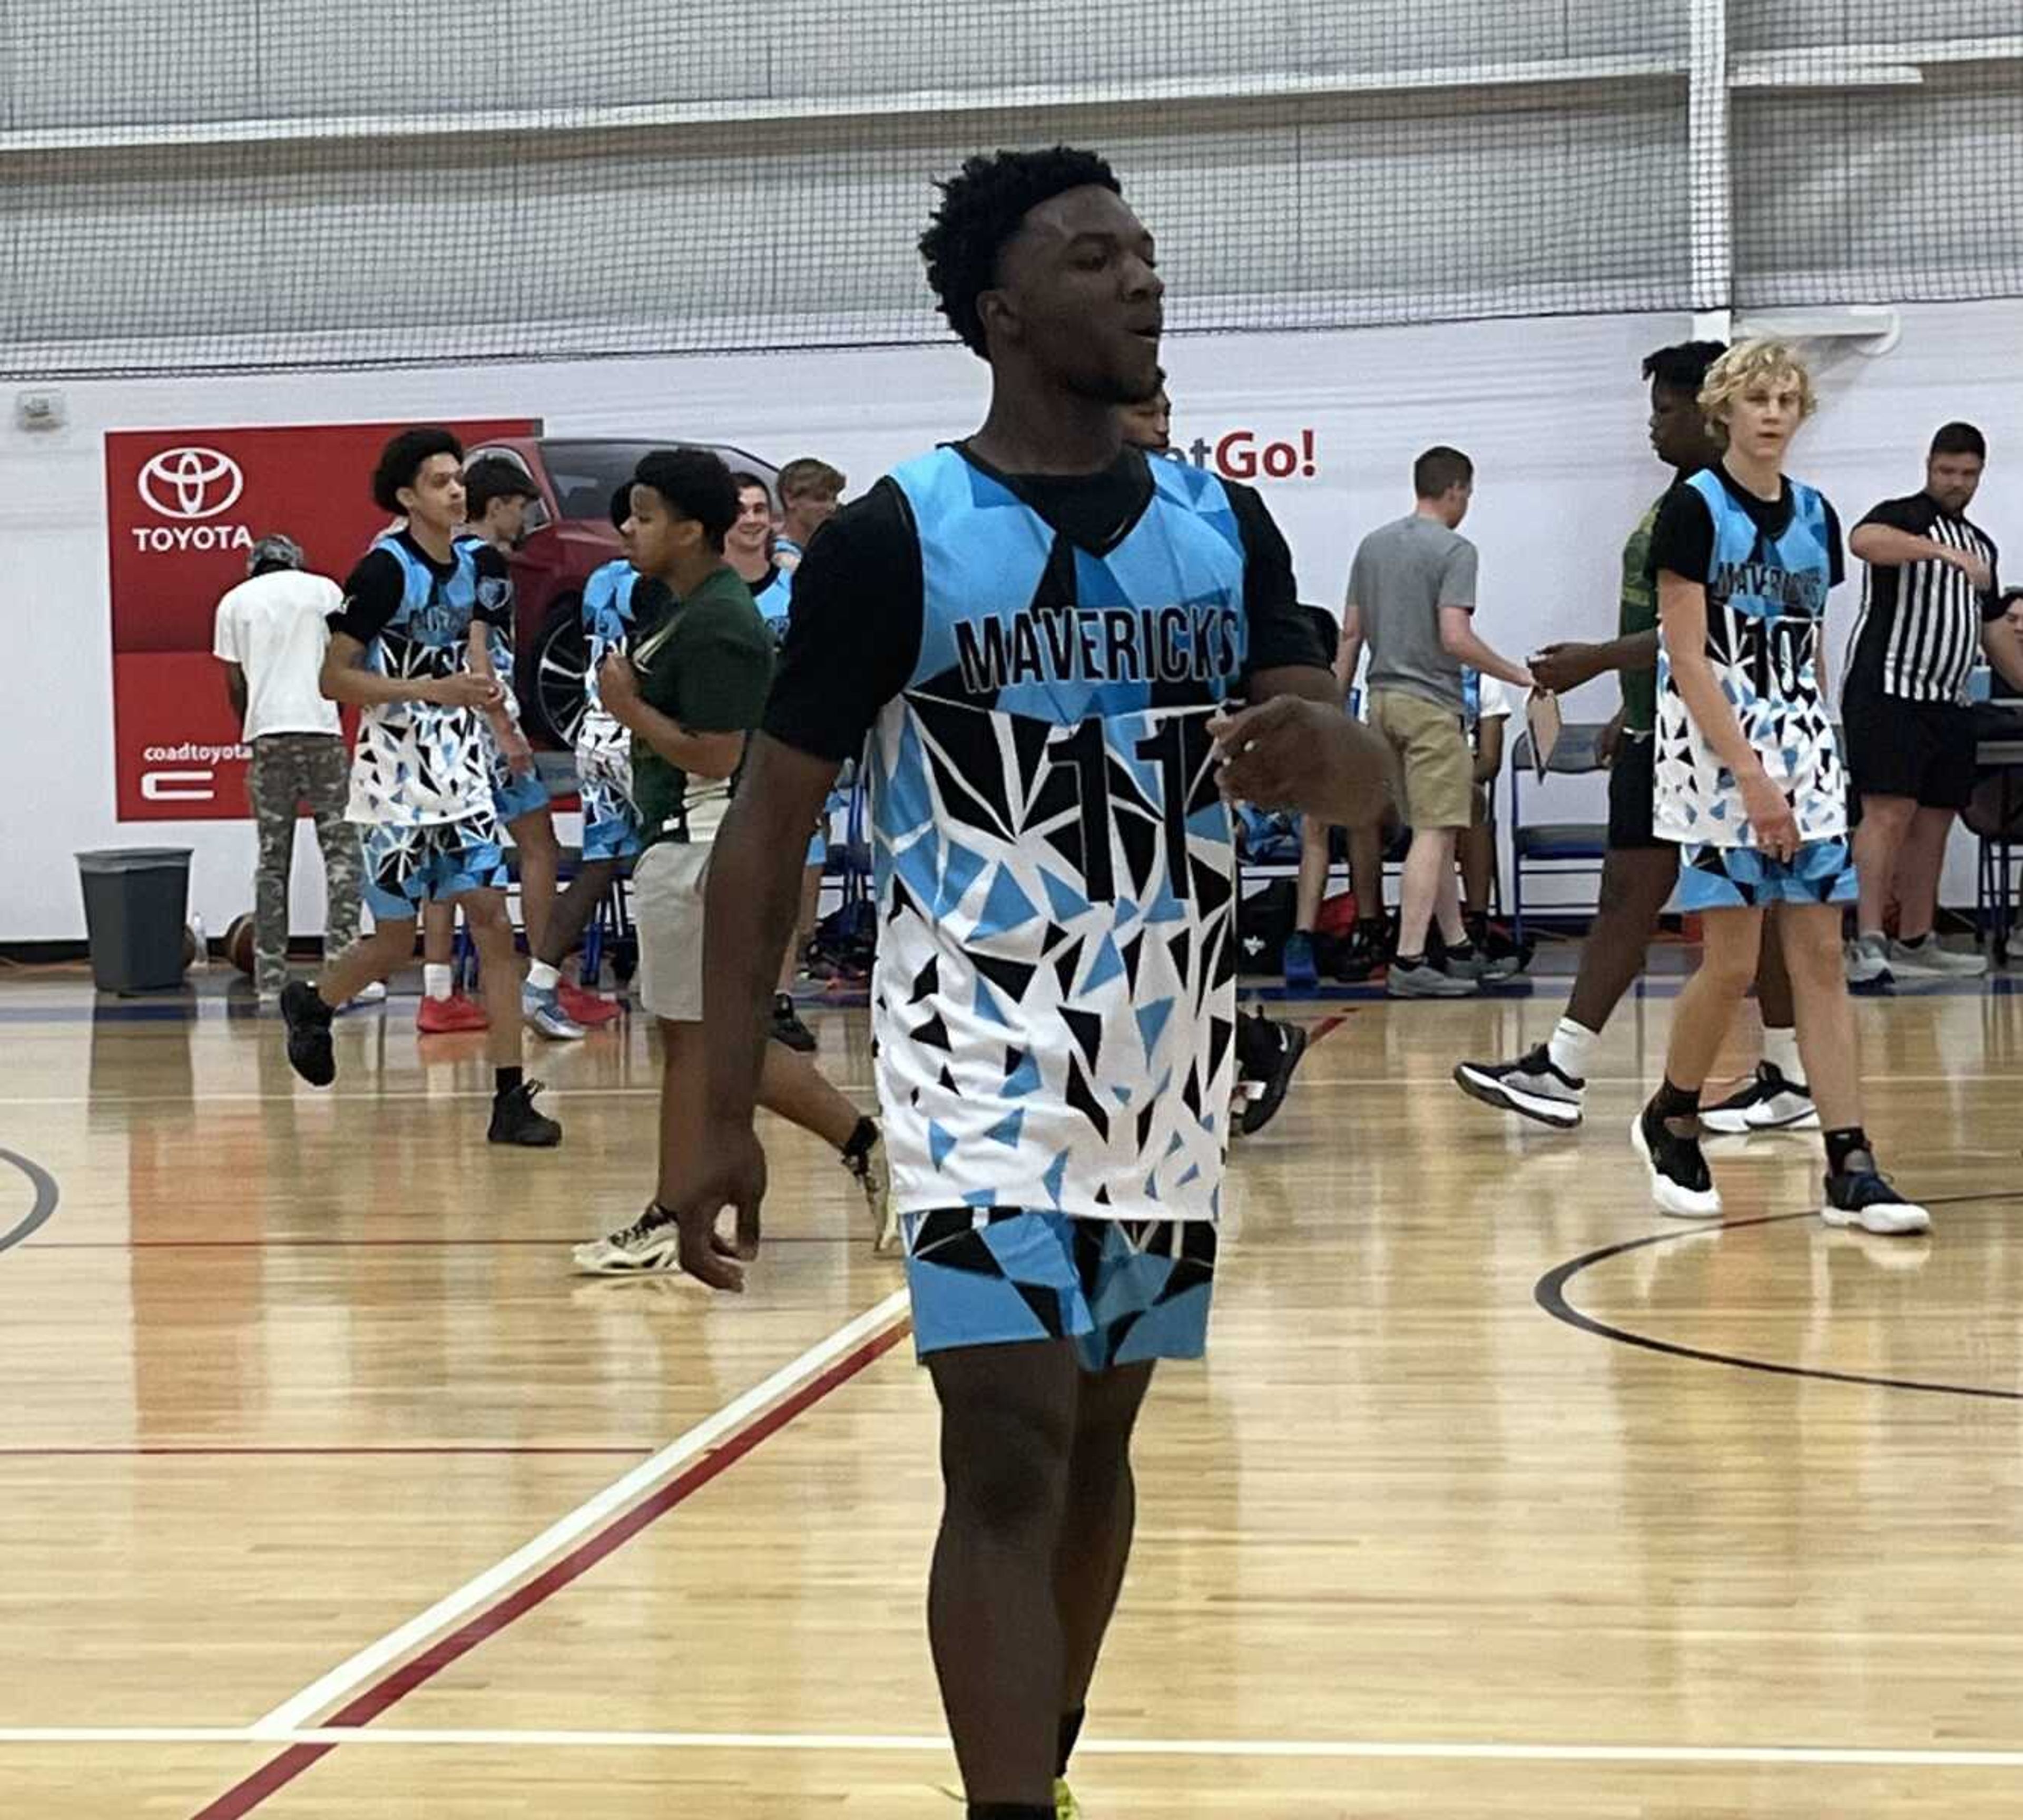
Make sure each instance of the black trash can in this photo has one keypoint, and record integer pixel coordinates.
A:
(136, 905)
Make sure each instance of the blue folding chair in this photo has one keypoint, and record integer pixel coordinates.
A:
(1557, 848)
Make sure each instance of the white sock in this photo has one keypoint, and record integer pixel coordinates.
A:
(1572, 1048)
(543, 977)
(435, 979)
(1780, 1050)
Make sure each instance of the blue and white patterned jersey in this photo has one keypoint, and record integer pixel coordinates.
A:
(417, 762)
(1767, 568)
(603, 748)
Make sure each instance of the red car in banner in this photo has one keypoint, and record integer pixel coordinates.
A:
(569, 535)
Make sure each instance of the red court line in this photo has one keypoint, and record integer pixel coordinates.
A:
(1326, 1027)
(398, 1683)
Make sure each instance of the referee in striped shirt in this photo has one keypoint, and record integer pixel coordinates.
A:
(1930, 606)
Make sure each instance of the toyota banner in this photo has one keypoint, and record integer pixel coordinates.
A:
(183, 508)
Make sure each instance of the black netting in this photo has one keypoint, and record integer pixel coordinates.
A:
(239, 183)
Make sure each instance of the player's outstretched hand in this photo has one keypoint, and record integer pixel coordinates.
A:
(734, 1176)
(1293, 753)
(1560, 667)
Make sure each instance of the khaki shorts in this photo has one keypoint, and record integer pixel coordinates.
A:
(668, 881)
(1436, 770)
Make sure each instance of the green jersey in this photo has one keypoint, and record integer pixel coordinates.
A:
(706, 663)
(1640, 614)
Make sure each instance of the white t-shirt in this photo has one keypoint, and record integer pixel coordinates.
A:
(1493, 703)
(274, 627)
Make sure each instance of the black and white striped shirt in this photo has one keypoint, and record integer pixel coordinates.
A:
(1918, 635)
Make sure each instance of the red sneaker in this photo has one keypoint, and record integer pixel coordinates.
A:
(587, 1009)
(450, 1017)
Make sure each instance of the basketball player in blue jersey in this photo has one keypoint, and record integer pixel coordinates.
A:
(750, 551)
(611, 835)
(410, 647)
(497, 491)
(1033, 628)
(1749, 781)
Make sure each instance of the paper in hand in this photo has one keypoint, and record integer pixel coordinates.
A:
(1541, 715)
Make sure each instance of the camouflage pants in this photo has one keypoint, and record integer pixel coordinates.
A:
(289, 769)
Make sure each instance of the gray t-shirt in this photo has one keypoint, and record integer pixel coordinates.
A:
(1403, 575)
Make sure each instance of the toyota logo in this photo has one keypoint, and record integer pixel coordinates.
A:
(191, 483)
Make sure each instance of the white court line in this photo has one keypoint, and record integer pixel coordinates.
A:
(1771, 1756)
(369, 1662)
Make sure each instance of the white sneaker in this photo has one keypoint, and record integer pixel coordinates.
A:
(1868, 961)
(1862, 1198)
(1531, 1087)
(374, 994)
(1928, 960)
(544, 1014)
(1768, 1101)
(1680, 1184)
(652, 1244)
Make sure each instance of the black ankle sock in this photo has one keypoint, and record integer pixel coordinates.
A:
(1844, 1144)
(1010, 1811)
(1463, 949)
(1411, 960)
(1671, 1102)
(1071, 1723)
(861, 1140)
(504, 1082)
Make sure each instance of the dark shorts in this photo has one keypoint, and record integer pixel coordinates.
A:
(1125, 1292)
(1924, 750)
(1631, 780)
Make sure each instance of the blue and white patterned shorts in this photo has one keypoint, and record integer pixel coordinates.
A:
(1746, 878)
(407, 867)
(513, 795)
(610, 823)
(1125, 1292)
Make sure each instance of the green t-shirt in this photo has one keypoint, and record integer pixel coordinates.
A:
(705, 662)
(1640, 614)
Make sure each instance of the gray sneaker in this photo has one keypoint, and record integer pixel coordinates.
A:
(1868, 961)
(1425, 982)
(1928, 960)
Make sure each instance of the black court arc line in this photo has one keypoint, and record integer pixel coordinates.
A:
(46, 1196)
(1550, 1294)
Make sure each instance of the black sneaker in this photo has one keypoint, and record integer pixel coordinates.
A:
(788, 1027)
(514, 1120)
(309, 1052)
(1507, 958)
(1531, 1087)
(1272, 1051)
(1680, 1183)
(1361, 955)
(1861, 1197)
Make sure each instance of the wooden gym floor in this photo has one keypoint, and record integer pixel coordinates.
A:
(327, 1493)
